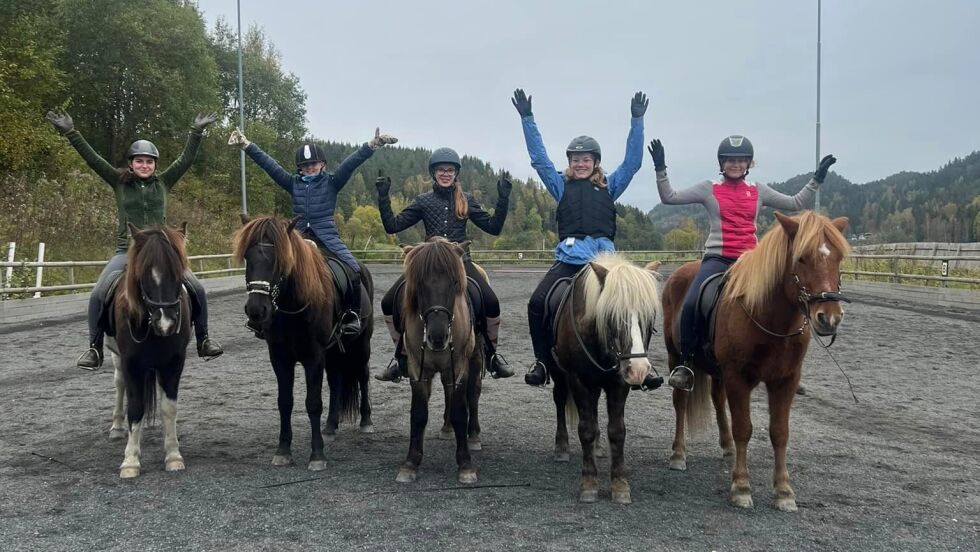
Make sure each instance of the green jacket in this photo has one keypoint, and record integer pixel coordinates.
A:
(141, 202)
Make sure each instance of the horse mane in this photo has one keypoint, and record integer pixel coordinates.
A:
(627, 289)
(296, 258)
(428, 260)
(158, 247)
(759, 271)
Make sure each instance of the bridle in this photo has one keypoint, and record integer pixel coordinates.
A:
(272, 290)
(151, 304)
(804, 299)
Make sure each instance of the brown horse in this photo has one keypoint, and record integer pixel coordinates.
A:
(604, 327)
(439, 340)
(774, 295)
(151, 313)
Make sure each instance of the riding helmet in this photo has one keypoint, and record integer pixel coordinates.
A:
(585, 144)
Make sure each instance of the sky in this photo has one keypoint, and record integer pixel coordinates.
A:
(900, 79)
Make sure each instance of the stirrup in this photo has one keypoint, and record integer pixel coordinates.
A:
(504, 370)
(677, 374)
(393, 369)
(532, 370)
(350, 323)
(98, 356)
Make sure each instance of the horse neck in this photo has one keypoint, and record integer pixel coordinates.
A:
(781, 315)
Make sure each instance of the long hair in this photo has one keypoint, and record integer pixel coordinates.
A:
(627, 289)
(432, 259)
(462, 206)
(759, 271)
(598, 177)
(296, 258)
(158, 247)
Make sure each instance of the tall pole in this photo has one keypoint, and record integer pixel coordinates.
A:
(816, 201)
(241, 107)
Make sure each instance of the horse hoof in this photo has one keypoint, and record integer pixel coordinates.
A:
(467, 477)
(562, 457)
(742, 500)
(317, 465)
(588, 496)
(117, 434)
(474, 444)
(282, 460)
(787, 504)
(406, 476)
(129, 472)
(174, 464)
(367, 428)
(678, 464)
(621, 497)
(446, 434)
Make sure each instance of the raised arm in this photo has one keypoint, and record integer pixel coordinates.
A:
(391, 222)
(553, 180)
(698, 193)
(362, 154)
(266, 163)
(623, 175)
(63, 123)
(805, 197)
(484, 221)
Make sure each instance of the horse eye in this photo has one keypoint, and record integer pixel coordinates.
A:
(802, 261)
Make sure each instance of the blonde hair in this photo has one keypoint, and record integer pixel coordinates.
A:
(598, 176)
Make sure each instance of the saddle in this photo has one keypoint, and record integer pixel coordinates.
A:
(553, 302)
(475, 303)
(705, 316)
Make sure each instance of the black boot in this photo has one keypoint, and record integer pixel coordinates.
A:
(208, 348)
(350, 321)
(650, 382)
(682, 377)
(537, 375)
(497, 365)
(92, 358)
(396, 369)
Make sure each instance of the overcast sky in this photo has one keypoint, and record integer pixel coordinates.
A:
(899, 78)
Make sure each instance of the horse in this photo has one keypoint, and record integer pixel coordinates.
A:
(603, 329)
(774, 294)
(151, 317)
(439, 338)
(291, 300)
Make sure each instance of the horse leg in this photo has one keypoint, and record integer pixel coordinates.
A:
(421, 390)
(615, 408)
(586, 401)
(118, 430)
(721, 416)
(167, 390)
(474, 387)
(314, 409)
(135, 410)
(284, 369)
(780, 400)
(465, 473)
(739, 395)
(333, 407)
(446, 432)
(560, 395)
(678, 458)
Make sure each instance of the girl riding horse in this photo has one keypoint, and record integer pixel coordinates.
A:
(141, 199)
(733, 206)
(444, 212)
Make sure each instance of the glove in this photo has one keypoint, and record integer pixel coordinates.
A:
(238, 138)
(656, 149)
(380, 140)
(522, 103)
(383, 183)
(639, 104)
(822, 169)
(202, 120)
(60, 119)
(504, 185)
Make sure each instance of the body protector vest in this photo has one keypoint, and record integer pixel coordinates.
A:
(586, 210)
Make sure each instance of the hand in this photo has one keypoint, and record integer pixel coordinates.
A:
(656, 149)
(504, 185)
(822, 169)
(202, 120)
(522, 103)
(383, 183)
(60, 119)
(238, 138)
(638, 106)
(380, 140)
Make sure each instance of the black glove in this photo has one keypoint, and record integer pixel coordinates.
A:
(822, 169)
(504, 185)
(383, 183)
(60, 119)
(202, 120)
(521, 102)
(656, 149)
(639, 104)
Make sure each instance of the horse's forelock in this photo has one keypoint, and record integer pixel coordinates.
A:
(425, 261)
(627, 289)
(161, 248)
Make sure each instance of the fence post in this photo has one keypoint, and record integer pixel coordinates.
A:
(895, 278)
(40, 269)
(944, 272)
(9, 276)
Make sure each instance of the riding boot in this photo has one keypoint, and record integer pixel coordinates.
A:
(92, 358)
(682, 377)
(650, 382)
(350, 321)
(498, 366)
(537, 375)
(398, 366)
(392, 330)
(208, 348)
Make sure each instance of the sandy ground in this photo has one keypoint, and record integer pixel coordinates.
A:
(898, 471)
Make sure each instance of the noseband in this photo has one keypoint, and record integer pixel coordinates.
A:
(804, 299)
(424, 317)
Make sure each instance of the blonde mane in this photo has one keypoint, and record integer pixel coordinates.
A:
(627, 289)
(758, 272)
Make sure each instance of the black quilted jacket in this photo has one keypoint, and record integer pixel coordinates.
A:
(438, 212)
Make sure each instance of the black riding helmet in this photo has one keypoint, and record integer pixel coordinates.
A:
(735, 146)
(585, 144)
(309, 153)
(142, 147)
(444, 156)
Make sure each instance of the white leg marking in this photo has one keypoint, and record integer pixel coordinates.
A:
(131, 461)
(171, 447)
(118, 429)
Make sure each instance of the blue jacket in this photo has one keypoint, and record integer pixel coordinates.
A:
(579, 251)
(314, 202)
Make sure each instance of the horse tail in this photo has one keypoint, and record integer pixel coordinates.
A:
(350, 396)
(148, 392)
(699, 404)
(571, 410)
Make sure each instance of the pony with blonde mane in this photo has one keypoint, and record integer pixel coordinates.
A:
(775, 295)
(291, 300)
(603, 332)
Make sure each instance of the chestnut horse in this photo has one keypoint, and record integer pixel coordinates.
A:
(774, 296)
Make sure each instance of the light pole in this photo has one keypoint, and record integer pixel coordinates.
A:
(816, 201)
(241, 108)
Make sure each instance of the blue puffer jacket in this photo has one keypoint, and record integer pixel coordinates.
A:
(314, 201)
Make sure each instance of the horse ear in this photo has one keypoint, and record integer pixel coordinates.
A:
(789, 224)
(840, 223)
(463, 247)
(600, 272)
(406, 248)
(292, 225)
(652, 266)
(133, 230)
(244, 218)
(183, 229)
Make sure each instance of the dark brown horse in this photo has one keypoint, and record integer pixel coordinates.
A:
(439, 341)
(151, 314)
(604, 327)
(291, 300)
(775, 294)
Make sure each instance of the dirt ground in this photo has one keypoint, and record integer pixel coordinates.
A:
(897, 471)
